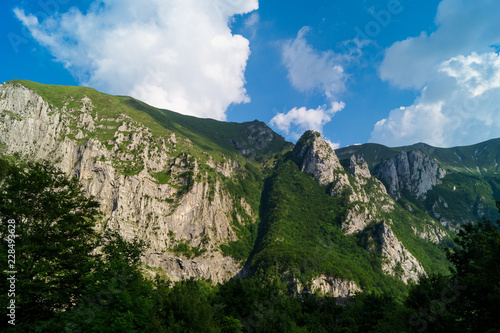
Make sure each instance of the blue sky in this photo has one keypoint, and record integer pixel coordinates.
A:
(386, 71)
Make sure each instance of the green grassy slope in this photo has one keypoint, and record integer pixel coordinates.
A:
(208, 135)
(298, 230)
(468, 191)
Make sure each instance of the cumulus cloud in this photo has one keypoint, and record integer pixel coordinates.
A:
(310, 70)
(459, 106)
(457, 71)
(463, 27)
(175, 54)
(303, 119)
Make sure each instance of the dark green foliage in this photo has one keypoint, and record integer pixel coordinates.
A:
(467, 198)
(430, 255)
(183, 248)
(246, 184)
(54, 240)
(186, 307)
(300, 233)
(477, 267)
(116, 297)
(467, 300)
(431, 305)
(62, 284)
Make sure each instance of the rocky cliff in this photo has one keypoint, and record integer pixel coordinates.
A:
(146, 185)
(414, 172)
(367, 198)
(194, 189)
(316, 157)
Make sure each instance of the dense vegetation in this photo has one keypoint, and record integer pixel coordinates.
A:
(301, 234)
(64, 285)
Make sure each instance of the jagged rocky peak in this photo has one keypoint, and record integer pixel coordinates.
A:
(358, 167)
(315, 156)
(257, 137)
(182, 207)
(414, 171)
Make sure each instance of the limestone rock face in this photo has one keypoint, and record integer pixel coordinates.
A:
(134, 203)
(325, 285)
(366, 194)
(398, 261)
(413, 171)
(316, 157)
(368, 198)
(359, 168)
(329, 286)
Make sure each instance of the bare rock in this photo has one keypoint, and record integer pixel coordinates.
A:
(316, 157)
(413, 171)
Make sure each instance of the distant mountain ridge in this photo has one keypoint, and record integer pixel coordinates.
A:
(481, 158)
(216, 200)
(473, 170)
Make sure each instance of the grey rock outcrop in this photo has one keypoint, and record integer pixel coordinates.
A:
(316, 157)
(368, 198)
(359, 168)
(326, 286)
(366, 194)
(413, 171)
(330, 286)
(134, 203)
(398, 261)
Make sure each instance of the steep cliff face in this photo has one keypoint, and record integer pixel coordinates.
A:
(414, 172)
(146, 185)
(327, 285)
(190, 187)
(316, 157)
(398, 262)
(366, 195)
(367, 198)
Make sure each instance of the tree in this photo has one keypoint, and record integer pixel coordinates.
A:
(116, 296)
(54, 238)
(477, 269)
(466, 300)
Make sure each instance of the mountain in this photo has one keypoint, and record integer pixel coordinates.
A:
(453, 185)
(214, 200)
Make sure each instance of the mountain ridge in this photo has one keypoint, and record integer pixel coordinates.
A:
(216, 200)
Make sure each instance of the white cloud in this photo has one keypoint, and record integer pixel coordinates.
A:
(459, 106)
(252, 20)
(310, 70)
(475, 73)
(298, 120)
(175, 54)
(463, 27)
(456, 69)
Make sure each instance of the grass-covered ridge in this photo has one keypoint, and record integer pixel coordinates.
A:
(207, 135)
